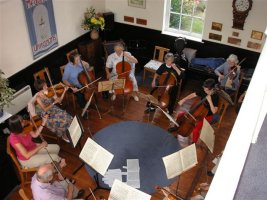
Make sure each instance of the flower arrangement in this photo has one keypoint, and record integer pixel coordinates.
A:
(92, 20)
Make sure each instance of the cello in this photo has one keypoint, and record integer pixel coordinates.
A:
(166, 81)
(123, 70)
(86, 78)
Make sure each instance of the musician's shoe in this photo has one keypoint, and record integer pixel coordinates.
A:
(172, 129)
(113, 97)
(150, 109)
(136, 98)
(80, 194)
(65, 139)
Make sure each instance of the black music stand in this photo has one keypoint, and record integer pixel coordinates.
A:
(111, 85)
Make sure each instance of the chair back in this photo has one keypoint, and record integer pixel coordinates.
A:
(41, 75)
(159, 53)
(70, 52)
(109, 47)
(23, 195)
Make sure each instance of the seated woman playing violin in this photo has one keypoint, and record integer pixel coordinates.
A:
(71, 73)
(114, 59)
(228, 74)
(59, 120)
(210, 103)
(172, 70)
(30, 154)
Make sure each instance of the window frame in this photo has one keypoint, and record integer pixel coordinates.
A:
(175, 32)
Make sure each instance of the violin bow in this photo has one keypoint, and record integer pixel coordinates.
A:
(88, 84)
(120, 74)
(54, 163)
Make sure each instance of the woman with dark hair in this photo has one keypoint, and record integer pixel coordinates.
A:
(211, 103)
(29, 153)
(59, 120)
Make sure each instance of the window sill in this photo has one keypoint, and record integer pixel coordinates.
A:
(182, 35)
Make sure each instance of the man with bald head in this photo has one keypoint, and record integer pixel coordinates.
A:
(43, 187)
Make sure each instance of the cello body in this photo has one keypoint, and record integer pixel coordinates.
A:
(187, 120)
(123, 70)
(86, 77)
(166, 81)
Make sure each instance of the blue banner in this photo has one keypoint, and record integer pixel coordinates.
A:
(41, 26)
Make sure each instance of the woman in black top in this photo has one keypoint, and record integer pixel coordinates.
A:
(171, 68)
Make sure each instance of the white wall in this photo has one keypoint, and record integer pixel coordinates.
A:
(15, 47)
(217, 11)
(221, 11)
(153, 12)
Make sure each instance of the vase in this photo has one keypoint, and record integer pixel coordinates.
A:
(94, 34)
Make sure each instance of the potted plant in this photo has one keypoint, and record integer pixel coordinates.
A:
(6, 93)
(93, 22)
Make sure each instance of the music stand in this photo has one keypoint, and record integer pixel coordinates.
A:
(87, 105)
(111, 85)
(150, 99)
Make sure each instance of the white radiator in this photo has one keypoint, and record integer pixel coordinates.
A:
(20, 100)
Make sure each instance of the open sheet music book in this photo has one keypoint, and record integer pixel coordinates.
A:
(75, 131)
(207, 135)
(121, 191)
(180, 161)
(96, 156)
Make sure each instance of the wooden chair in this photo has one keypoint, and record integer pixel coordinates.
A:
(69, 95)
(159, 53)
(41, 75)
(23, 195)
(70, 52)
(222, 107)
(234, 95)
(21, 172)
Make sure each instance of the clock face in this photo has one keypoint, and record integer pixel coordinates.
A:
(242, 5)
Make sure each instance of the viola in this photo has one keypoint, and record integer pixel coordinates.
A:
(123, 70)
(166, 81)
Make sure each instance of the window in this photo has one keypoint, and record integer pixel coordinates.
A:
(184, 18)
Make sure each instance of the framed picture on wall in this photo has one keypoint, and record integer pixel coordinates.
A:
(256, 35)
(137, 3)
(216, 26)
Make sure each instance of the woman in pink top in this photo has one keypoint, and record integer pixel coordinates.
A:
(29, 153)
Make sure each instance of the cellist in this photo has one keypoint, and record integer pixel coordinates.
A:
(169, 67)
(71, 73)
(117, 57)
(211, 103)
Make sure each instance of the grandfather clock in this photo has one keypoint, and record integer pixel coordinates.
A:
(241, 9)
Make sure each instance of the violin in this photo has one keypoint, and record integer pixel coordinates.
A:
(57, 90)
(123, 70)
(32, 124)
(169, 194)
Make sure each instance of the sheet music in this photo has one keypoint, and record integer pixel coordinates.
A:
(75, 131)
(173, 165)
(189, 157)
(111, 175)
(180, 161)
(153, 64)
(96, 156)
(121, 191)
(207, 135)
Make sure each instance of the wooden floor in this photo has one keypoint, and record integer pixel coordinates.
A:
(188, 182)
